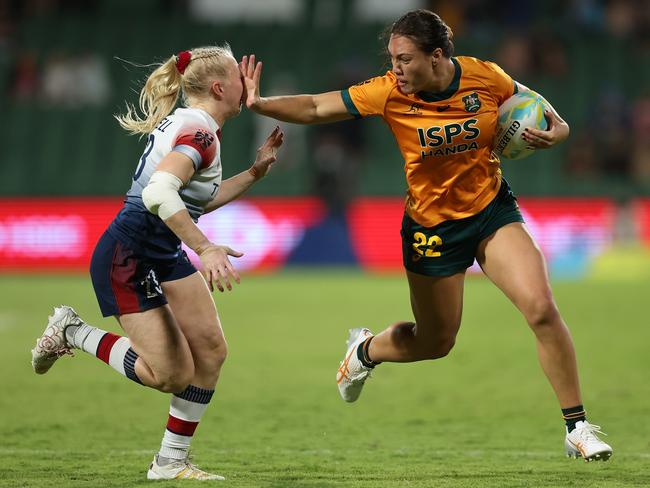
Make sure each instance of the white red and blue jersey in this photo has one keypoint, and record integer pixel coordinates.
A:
(189, 131)
(194, 133)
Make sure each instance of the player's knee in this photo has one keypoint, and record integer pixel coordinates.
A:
(218, 354)
(213, 353)
(541, 311)
(442, 348)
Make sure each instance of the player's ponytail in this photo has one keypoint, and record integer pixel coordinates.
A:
(189, 74)
(157, 99)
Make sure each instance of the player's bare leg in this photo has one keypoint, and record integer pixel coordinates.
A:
(512, 260)
(437, 304)
(165, 361)
(515, 264)
(194, 309)
(195, 312)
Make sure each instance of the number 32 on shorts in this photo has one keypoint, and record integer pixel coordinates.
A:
(425, 247)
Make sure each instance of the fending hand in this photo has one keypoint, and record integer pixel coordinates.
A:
(217, 268)
(251, 72)
(267, 153)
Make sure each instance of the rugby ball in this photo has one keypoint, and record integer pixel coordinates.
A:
(515, 114)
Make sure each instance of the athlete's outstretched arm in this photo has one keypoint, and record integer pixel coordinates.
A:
(297, 109)
(161, 198)
(235, 186)
(558, 129)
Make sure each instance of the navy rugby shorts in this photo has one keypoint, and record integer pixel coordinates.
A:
(127, 281)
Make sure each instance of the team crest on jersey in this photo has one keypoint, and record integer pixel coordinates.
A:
(472, 102)
(414, 109)
(203, 139)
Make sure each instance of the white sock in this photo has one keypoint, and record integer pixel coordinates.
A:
(185, 412)
(114, 350)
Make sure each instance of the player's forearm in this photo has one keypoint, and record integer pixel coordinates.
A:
(231, 189)
(297, 109)
(187, 231)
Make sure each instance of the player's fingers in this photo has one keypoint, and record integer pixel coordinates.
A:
(250, 66)
(551, 118)
(232, 252)
(223, 277)
(257, 74)
(207, 276)
(536, 134)
(537, 143)
(215, 278)
(272, 136)
(233, 272)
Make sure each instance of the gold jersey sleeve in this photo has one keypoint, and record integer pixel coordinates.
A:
(446, 138)
(369, 97)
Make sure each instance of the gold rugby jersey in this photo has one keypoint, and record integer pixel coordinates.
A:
(446, 138)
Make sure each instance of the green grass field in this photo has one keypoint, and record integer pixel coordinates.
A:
(482, 417)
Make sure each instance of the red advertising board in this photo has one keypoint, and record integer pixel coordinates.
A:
(641, 212)
(60, 234)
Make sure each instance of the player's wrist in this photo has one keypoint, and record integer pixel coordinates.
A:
(201, 248)
(257, 104)
(256, 173)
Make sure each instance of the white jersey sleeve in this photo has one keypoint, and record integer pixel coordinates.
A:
(191, 132)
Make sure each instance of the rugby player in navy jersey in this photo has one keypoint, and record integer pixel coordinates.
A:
(174, 342)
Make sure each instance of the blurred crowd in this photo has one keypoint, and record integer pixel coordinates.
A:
(533, 41)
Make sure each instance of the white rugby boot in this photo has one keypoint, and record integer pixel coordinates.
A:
(583, 442)
(182, 469)
(53, 344)
(352, 374)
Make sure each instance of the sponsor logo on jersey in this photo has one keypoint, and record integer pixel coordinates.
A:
(472, 102)
(448, 139)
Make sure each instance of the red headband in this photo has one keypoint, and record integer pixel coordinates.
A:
(183, 58)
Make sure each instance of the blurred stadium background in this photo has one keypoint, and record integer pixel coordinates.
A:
(60, 82)
(334, 199)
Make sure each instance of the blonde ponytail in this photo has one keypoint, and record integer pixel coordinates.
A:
(160, 92)
(157, 99)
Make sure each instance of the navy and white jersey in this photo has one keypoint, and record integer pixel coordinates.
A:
(189, 131)
(194, 133)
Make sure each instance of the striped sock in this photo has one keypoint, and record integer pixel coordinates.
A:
(185, 412)
(114, 350)
(572, 415)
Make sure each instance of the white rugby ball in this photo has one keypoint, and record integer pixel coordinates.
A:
(515, 114)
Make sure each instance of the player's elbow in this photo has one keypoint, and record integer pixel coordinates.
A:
(161, 195)
(149, 199)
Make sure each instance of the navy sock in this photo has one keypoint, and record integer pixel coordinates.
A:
(362, 353)
(572, 415)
